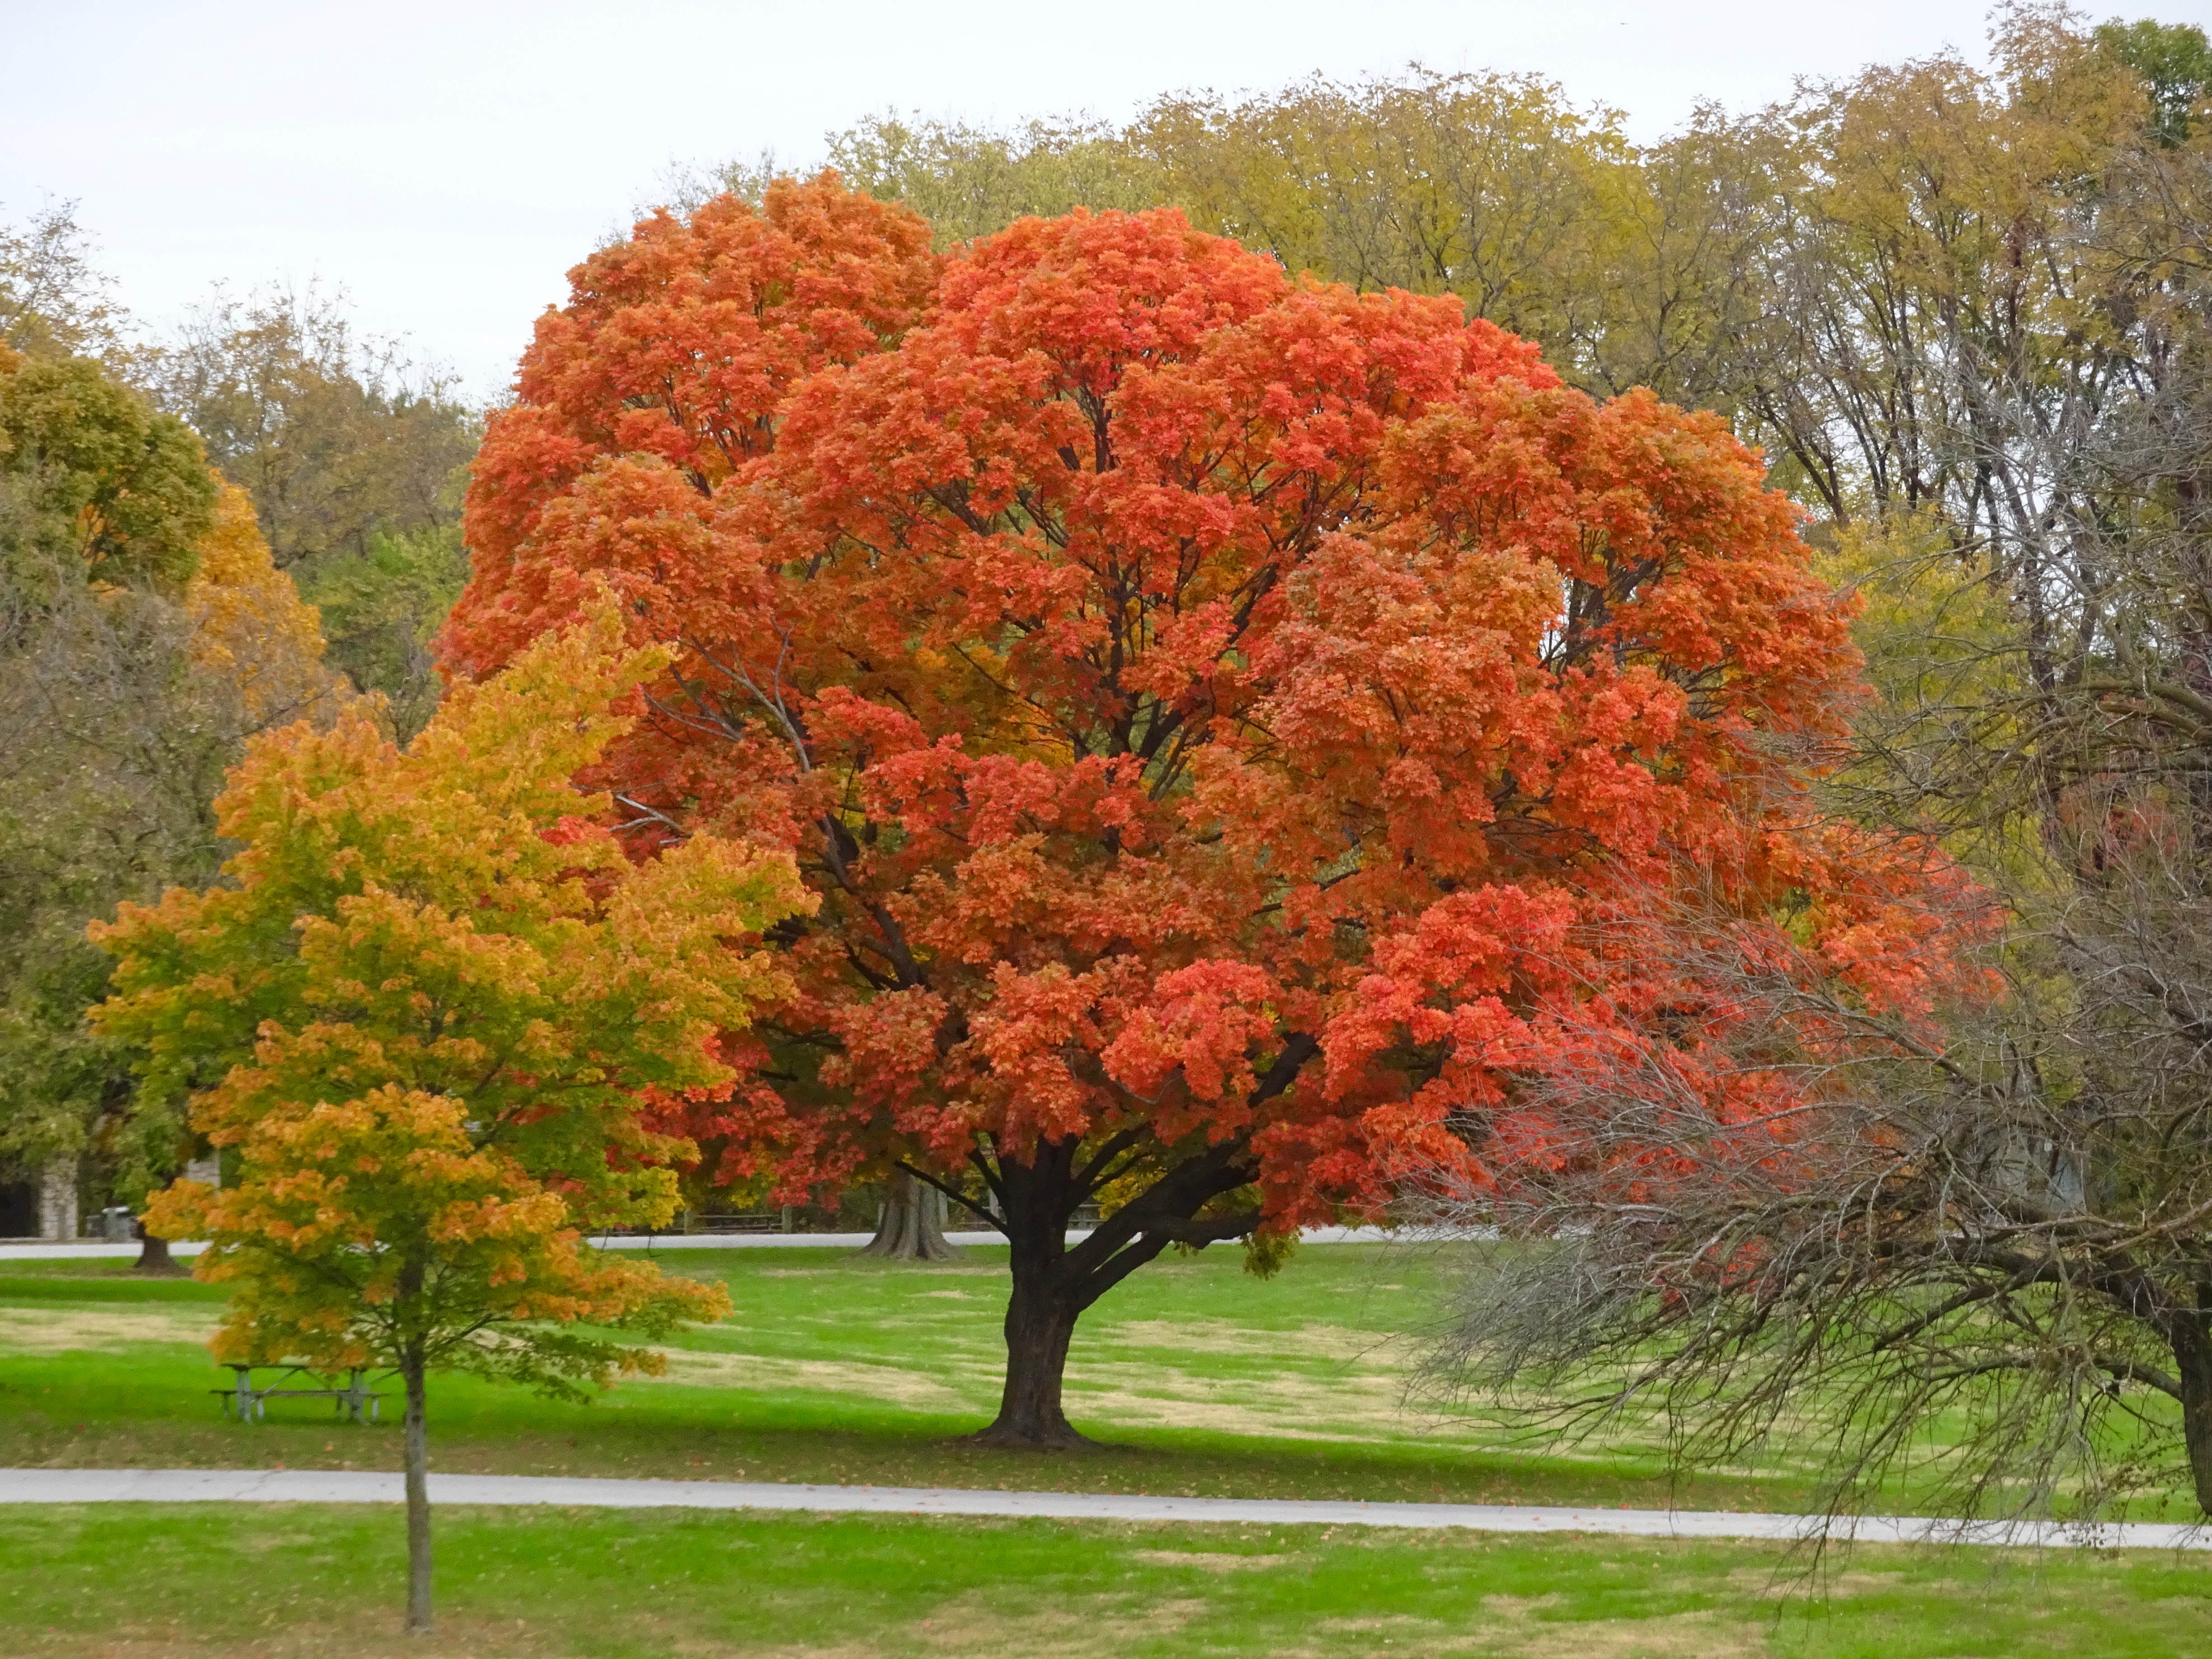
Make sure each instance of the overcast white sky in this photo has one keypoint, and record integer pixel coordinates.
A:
(445, 160)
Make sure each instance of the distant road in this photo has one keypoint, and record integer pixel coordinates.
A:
(354, 1486)
(32, 1250)
(93, 1250)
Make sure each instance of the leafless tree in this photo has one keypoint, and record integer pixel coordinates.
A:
(1978, 1244)
(1980, 1249)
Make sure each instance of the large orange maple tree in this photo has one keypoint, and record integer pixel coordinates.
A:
(1211, 707)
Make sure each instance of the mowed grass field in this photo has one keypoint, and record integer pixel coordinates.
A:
(1195, 1378)
(309, 1581)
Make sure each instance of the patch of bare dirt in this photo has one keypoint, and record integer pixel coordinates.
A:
(1676, 1636)
(1793, 1576)
(376, 1637)
(39, 1330)
(970, 1626)
(1315, 1341)
(897, 1383)
(1209, 1560)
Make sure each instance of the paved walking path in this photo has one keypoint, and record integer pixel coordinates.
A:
(335, 1486)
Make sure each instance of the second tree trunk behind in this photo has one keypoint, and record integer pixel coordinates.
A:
(911, 1227)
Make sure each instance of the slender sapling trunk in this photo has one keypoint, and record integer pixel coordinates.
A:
(418, 1497)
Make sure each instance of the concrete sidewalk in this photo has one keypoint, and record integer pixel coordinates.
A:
(333, 1486)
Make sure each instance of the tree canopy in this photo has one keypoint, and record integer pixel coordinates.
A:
(144, 633)
(98, 483)
(354, 455)
(1209, 706)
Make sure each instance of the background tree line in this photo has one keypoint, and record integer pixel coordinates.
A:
(353, 453)
(165, 508)
(1822, 271)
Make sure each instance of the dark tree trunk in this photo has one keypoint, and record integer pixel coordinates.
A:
(418, 1497)
(912, 1225)
(1053, 1284)
(1038, 1331)
(154, 1258)
(2193, 1355)
(1050, 1291)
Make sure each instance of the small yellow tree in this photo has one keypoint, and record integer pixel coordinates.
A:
(423, 1014)
(251, 629)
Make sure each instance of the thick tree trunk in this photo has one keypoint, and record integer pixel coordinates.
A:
(154, 1258)
(912, 1225)
(1049, 1291)
(2193, 1365)
(1053, 1282)
(419, 1498)
(1039, 1325)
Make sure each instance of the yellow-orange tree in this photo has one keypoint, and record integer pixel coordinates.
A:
(423, 1015)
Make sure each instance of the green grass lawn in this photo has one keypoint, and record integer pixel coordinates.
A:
(315, 1580)
(1194, 1377)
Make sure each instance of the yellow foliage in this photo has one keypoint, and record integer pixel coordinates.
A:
(429, 1013)
(1934, 625)
(249, 623)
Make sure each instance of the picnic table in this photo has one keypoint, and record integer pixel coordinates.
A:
(247, 1400)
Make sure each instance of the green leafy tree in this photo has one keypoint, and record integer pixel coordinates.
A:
(144, 635)
(970, 181)
(101, 485)
(381, 607)
(2174, 61)
(355, 456)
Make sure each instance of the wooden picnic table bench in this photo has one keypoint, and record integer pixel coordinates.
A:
(246, 1401)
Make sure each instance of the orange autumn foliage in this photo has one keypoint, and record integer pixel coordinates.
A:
(422, 1017)
(676, 346)
(1213, 707)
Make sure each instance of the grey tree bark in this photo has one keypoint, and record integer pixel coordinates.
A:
(58, 1199)
(911, 1227)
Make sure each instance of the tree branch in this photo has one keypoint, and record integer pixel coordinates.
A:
(954, 1194)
